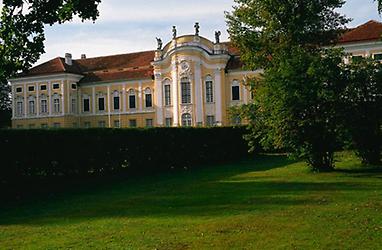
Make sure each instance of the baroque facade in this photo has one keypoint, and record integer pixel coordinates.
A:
(191, 81)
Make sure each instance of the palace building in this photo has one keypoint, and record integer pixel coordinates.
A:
(191, 81)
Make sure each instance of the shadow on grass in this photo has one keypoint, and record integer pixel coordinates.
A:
(204, 192)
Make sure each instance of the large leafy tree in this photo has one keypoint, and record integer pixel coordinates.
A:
(22, 32)
(363, 108)
(295, 101)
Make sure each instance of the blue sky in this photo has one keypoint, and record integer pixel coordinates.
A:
(129, 25)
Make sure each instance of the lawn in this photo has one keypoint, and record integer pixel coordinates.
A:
(266, 203)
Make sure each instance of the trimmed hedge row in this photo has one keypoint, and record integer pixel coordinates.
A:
(79, 153)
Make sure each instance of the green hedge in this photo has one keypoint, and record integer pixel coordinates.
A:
(80, 153)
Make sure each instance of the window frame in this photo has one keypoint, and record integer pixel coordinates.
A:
(186, 120)
(185, 89)
(209, 88)
(132, 95)
(235, 85)
(167, 93)
(103, 107)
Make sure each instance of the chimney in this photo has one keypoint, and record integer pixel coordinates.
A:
(68, 59)
(83, 56)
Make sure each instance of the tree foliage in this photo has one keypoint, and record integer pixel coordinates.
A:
(262, 28)
(296, 98)
(363, 113)
(22, 30)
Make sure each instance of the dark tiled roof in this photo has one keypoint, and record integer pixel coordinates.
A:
(369, 31)
(130, 74)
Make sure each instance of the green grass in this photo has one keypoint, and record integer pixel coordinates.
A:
(267, 203)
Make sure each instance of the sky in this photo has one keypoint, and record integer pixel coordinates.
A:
(126, 26)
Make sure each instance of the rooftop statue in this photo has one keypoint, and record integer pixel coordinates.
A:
(217, 36)
(160, 43)
(173, 32)
(197, 29)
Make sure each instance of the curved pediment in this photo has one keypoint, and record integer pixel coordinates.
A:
(190, 42)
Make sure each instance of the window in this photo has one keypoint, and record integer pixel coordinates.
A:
(87, 125)
(356, 58)
(19, 90)
(378, 57)
(101, 104)
(116, 102)
(101, 124)
(74, 86)
(31, 126)
(86, 105)
(211, 120)
(167, 94)
(133, 123)
(186, 120)
(74, 105)
(75, 125)
(168, 122)
(56, 125)
(31, 88)
(236, 120)
(43, 87)
(149, 123)
(209, 91)
(235, 91)
(56, 105)
(44, 106)
(186, 91)
(56, 85)
(117, 124)
(19, 108)
(31, 107)
(44, 125)
(148, 98)
(19, 126)
(132, 101)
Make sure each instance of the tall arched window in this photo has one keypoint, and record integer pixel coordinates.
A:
(186, 90)
(235, 90)
(31, 105)
(116, 100)
(43, 104)
(148, 98)
(167, 92)
(19, 106)
(209, 90)
(56, 103)
(186, 120)
(132, 99)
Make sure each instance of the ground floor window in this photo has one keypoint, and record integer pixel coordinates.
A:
(168, 122)
(186, 120)
(149, 123)
(117, 124)
(44, 125)
(56, 125)
(87, 125)
(211, 120)
(101, 124)
(133, 123)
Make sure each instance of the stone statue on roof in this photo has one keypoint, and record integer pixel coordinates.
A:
(197, 29)
(160, 43)
(173, 32)
(217, 36)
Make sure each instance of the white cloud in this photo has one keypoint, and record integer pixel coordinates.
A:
(129, 25)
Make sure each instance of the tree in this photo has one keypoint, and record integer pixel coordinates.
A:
(296, 98)
(379, 5)
(363, 114)
(22, 32)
